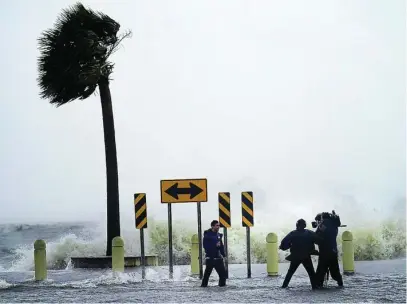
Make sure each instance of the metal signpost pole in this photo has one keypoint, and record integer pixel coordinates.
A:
(200, 240)
(170, 241)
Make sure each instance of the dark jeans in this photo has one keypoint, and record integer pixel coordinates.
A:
(307, 263)
(220, 269)
(328, 261)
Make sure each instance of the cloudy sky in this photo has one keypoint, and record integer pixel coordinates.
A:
(302, 102)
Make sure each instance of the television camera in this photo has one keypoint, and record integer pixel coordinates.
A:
(326, 215)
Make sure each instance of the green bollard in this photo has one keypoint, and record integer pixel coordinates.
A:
(118, 254)
(40, 260)
(348, 253)
(272, 254)
(195, 254)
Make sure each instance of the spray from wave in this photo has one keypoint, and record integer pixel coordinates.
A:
(385, 241)
(4, 285)
(381, 240)
(63, 241)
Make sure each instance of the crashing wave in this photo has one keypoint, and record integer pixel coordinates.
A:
(5, 285)
(385, 240)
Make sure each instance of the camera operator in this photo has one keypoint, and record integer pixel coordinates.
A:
(301, 243)
(327, 225)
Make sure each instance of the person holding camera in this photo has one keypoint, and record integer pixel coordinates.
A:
(301, 243)
(327, 228)
(214, 254)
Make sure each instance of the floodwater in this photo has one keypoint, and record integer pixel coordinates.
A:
(374, 281)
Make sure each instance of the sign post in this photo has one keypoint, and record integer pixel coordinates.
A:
(170, 241)
(225, 222)
(140, 209)
(198, 206)
(247, 221)
(184, 191)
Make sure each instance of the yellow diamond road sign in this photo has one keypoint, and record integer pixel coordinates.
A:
(184, 191)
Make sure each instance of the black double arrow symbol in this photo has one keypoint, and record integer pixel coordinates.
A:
(174, 191)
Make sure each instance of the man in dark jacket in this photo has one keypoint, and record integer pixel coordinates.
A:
(301, 243)
(214, 254)
(328, 251)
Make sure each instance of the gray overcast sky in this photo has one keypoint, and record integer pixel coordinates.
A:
(302, 102)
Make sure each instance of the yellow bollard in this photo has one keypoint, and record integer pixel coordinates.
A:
(118, 254)
(348, 253)
(195, 254)
(272, 254)
(40, 260)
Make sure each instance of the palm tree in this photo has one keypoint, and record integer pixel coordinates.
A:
(73, 62)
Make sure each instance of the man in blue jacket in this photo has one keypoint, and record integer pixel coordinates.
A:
(214, 254)
(301, 243)
(328, 225)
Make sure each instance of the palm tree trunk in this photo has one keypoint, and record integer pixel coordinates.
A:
(112, 179)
